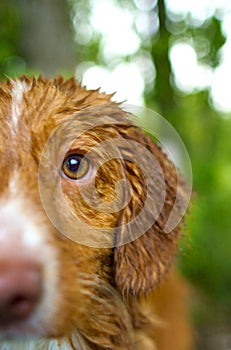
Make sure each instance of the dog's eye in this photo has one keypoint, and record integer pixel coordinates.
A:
(75, 166)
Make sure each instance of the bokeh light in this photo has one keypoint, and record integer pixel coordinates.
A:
(127, 70)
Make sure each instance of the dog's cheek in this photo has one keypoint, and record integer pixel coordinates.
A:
(95, 203)
(82, 269)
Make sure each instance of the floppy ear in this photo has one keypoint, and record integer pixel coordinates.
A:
(140, 265)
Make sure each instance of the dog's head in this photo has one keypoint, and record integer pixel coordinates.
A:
(74, 156)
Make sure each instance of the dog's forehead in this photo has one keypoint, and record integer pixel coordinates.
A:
(33, 104)
(34, 107)
(27, 108)
(18, 111)
(31, 109)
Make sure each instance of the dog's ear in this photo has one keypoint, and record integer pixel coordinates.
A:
(142, 263)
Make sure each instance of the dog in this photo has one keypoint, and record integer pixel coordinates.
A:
(78, 270)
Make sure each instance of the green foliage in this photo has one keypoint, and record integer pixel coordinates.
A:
(206, 254)
(10, 61)
(207, 41)
(206, 38)
(88, 49)
(207, 260)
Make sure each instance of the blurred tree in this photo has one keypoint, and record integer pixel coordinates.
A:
(203, 131)
(87, 41)
(206, 254)
(46, 38)
(36, 35)
(10, 62)
(163, 91)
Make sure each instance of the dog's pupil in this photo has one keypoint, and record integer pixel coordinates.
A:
(73, 164)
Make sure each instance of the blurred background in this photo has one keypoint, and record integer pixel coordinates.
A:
(173, 56)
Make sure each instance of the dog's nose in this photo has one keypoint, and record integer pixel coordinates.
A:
(20, 290)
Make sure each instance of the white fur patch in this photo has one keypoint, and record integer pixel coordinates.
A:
(14, 186)
(18, 89)
(23, 234)
(44, 344)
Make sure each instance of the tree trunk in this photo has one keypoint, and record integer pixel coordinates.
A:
(46, 39)
(162, 91)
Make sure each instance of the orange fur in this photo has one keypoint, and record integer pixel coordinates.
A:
(104, 296)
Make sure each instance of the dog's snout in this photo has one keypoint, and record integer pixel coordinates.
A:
(20, 290)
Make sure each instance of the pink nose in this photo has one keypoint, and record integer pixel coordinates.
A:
(20, 291)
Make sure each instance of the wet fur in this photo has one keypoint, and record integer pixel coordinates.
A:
(105, 296)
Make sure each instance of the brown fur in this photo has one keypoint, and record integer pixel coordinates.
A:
(107, 294)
